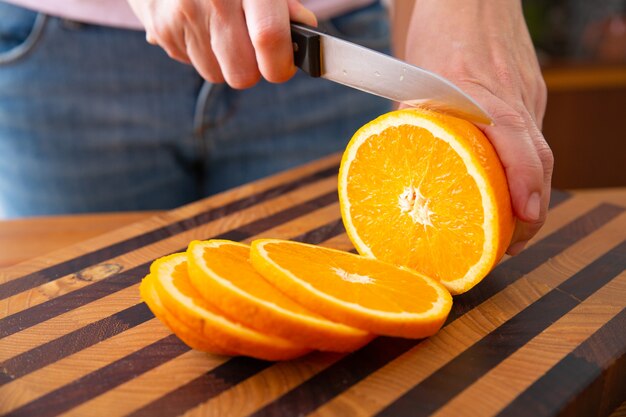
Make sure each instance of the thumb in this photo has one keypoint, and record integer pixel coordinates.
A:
(521, 146)
(299, 13)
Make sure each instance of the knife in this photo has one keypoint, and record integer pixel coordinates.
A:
(322, 55)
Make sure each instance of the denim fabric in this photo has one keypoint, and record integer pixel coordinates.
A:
(95, 119)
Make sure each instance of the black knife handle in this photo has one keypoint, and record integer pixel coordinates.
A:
(306, 49)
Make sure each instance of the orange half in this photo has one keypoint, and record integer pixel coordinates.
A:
(426, 191)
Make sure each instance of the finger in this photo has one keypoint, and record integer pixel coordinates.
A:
(232, 46)
(202, 57)
(169, 35)
(299, 13)
(524, 169)
(524, 231)
(177, 48)
(181, 47)
(268, 25)
(151, 39)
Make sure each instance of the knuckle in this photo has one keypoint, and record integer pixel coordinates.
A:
(542, 89)
(509, 117)
(546, 156)
(268, 35)
(541, 95)
(504, 72)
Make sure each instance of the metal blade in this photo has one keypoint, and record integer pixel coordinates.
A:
(376, 73)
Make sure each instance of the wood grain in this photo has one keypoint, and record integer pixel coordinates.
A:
(24, 239)
(76, 340)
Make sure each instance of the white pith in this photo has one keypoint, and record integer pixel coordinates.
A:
(354, 278)
(412, 201)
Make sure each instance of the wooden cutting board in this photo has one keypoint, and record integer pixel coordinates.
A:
(543, 335)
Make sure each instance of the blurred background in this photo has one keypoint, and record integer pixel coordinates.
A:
(582, 49)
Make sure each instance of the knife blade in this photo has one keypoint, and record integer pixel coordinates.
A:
(326, 56)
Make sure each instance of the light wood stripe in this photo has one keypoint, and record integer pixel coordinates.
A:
(382, 387)
(503, 383)
(165, 219)
(70, 283)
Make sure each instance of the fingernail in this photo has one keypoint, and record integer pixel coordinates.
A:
(533, 207)
(516, 248)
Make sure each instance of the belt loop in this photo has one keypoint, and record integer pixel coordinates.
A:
(36, 32)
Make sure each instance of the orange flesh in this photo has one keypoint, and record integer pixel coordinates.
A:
(426, 162)
(180, 279)
(226, 259)
(368, 283)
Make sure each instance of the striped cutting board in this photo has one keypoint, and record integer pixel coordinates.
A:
(543, 335)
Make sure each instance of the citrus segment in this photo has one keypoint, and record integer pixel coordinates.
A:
(184, 333)
(221, 271)
(427, 191)
(363, 292)
(171, 282)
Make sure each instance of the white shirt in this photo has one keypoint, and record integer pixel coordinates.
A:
(117, 13)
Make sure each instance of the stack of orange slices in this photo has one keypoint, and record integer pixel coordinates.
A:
(279, 299)
(424, 200)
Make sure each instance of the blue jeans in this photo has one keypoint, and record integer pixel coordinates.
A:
(95, 119)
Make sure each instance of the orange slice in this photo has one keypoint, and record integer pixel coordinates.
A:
(427, 191)
(184, 333)
(171, 282)
(363, 292)
(221, 271)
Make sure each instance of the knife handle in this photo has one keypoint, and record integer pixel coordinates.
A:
(306, 49)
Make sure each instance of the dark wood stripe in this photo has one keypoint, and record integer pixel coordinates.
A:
(557, 197)
(58, 270)
(203, 388)
(236, 374)
(104, 379)
(443, 385)
(79, 339)
(72, 300)
(340, 376)
(577, 385)
(325, 232)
